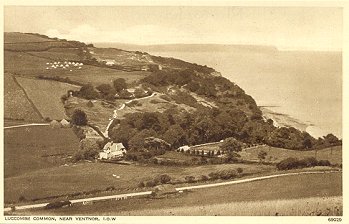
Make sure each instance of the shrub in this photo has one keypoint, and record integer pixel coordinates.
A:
(308, 162)
(163, 179)
(239, 170)
(214, 175)
(287, 164)
(22, 198)
(141, 184)
(79, 117)
(150, 183)
(190, 179)
(293, 163)
(324, 163)
(110, 188)
(227, 174)
(203, 178)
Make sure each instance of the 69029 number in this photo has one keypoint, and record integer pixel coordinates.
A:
(334, 219)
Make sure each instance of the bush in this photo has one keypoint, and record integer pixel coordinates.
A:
(79, 117)
(324, 163)
(214, 175)
(203, 178)
(293, 163)
(141, 184)
(150, 183)
(308, 162)
(227, 174)
(163, 179)
(239, 170)
(190, 179)
(22, 198)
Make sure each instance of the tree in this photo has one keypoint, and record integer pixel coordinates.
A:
(262, 155)
(105, 89)
(119, 84)
(79, 117)
(231, 145)
(88, 92)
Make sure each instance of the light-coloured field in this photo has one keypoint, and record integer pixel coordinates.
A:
(277, 154)
(46, 95)
(98, 176)
(38, 147)
(326, 206)
(16, 104)
(306, 194)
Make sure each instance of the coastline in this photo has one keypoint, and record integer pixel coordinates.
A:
(284, 120)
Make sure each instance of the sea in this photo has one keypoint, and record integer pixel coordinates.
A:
(303, 85)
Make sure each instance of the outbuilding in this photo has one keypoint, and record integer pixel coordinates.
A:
(112, 150)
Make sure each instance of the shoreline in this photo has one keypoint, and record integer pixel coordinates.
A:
(285, 120)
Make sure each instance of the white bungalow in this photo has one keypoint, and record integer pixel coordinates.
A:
(112, 150)
(65, 123)
(184, 148)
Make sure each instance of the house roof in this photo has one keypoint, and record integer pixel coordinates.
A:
(113, 146)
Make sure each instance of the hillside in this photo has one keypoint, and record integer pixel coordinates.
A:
(191, 99)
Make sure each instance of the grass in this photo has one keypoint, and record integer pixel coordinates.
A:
(59, 54)
(16, 104)
(29, 65)
(46, 95)
(98, 176)
(326, 206)
(28, 149)
(98, 115)
(21, 37)
(310, 194)
(277, 154)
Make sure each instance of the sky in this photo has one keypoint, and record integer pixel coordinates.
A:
(298, 28)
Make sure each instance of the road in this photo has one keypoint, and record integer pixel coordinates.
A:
(27, 125)
(121, 108)
(135, 194)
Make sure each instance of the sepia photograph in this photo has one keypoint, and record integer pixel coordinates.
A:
(172, 110)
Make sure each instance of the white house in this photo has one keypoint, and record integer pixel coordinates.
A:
(184, 147)
(65, 123)
(112, 150)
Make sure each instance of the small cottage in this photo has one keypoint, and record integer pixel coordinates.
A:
(112, 150)
(65, 123)
(184, 148)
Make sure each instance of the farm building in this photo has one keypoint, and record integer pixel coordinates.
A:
(184, 148)
(65, 123)
(112, 150)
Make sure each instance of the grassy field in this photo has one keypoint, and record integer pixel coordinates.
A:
(16, 104)
(307, 194)
(98, 114)
(277, 154)
(30, 65)
(46, 95)
(98, 176)
(59, 54)
(326, 206)
(20, 38)
(35, 148)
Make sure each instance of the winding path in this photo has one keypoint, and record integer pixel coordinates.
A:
(135, 194)
(121, 108)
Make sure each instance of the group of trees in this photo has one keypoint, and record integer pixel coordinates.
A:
(105, 91)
